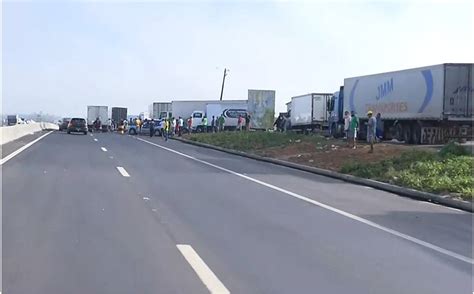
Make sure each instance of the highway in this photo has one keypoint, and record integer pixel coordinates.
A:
(109, 213)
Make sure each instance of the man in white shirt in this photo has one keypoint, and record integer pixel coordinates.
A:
(347, 122)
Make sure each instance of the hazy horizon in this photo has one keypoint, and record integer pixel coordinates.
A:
(60, 57)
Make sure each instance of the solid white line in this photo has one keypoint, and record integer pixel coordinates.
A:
(21, 149)
(206, 275)
(123, 171)
(103, 149)
(95, 139)
(330, 208)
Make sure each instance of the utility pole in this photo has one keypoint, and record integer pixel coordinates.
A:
(223, 81)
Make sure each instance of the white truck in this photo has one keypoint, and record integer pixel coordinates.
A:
(160, 110)
(309, 112)
(229, 109)
(97, 112)
(426, 105)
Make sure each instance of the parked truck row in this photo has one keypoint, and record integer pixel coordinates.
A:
(426, 105)
(197, 109)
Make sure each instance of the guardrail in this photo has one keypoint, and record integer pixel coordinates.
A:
(11, 133)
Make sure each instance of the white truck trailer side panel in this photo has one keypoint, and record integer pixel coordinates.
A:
(301, 110)
(230, 109)
(407, 94)
(216, 109)
(186, 108)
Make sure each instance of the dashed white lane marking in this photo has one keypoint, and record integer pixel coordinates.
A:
(103, 149)
(325, 206)
(122, 171)
(206, 275)
(21, 149)
(95, 139)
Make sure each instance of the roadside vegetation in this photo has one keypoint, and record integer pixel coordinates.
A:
(448, 171)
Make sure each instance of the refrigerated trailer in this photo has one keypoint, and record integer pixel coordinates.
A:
(309, 112)
(119, 114)
(100, 112)
(160, 110)
(425, 105)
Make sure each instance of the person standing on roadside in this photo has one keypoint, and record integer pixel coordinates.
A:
(247, 122)
(347, 122)
(166, 129)
(353, 129)
(190, 124)
(139, 125)
(240, 121)
(204, 124)
(277, 123)
(180, 126)
(371, 127)
(172, 125)
(379, 129)
(152, 127)
(221, 123)
(213, 124)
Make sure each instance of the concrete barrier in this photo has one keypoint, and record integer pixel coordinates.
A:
(11, 133)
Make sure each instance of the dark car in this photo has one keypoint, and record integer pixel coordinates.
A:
(64, 123)
(77, 125)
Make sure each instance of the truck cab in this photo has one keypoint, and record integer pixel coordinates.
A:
(196, 121)
(335, 108)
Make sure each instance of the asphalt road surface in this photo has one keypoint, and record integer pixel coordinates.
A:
(116, 214)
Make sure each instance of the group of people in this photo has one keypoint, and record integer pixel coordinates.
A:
(218, 124)
(352, 126)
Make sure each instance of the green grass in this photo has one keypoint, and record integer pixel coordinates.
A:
(253, 141)
(448, 172)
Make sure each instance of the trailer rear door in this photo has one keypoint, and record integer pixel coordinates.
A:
(457, 90)
(320, 113)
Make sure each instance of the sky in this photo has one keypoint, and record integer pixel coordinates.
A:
(59, 57)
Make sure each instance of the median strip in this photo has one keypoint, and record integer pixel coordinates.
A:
(203, 271)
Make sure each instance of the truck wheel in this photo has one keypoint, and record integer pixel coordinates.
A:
(199, 130)
(407, 134)
(416, 134)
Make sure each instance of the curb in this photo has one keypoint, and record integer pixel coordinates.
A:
(411, 193)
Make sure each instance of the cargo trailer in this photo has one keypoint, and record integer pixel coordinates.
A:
(160, 110)
(97, 112)
(426, 105)
(119, 114)
(309, 112)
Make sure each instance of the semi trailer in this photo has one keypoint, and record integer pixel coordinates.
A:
(426, 105)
